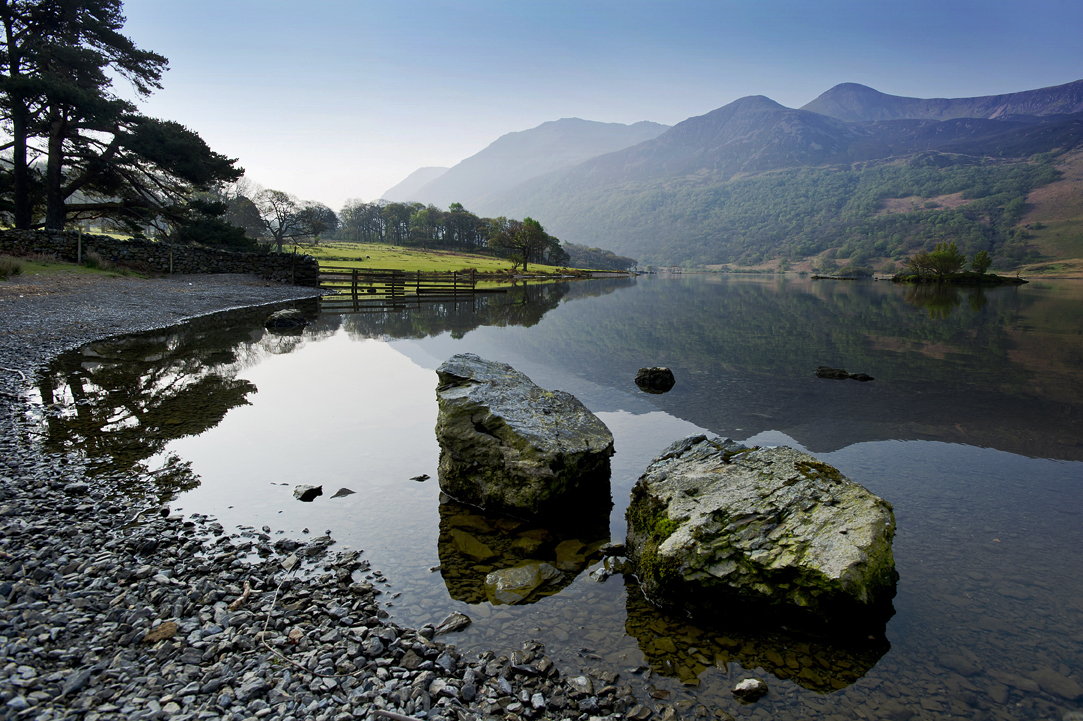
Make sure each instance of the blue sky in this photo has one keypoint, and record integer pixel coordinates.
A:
(333, 100)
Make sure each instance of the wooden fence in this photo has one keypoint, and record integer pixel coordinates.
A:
(362, 288)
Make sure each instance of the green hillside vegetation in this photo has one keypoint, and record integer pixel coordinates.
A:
(802, 212)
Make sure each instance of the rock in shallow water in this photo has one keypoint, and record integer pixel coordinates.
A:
(655, 380)
(508, 445)
(771, 529)
(516, 585)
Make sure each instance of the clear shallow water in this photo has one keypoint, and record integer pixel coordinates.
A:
(972, 430)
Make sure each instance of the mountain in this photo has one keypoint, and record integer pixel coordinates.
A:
(407, 189)
(754, 179)
(517, 157)
(858, 103)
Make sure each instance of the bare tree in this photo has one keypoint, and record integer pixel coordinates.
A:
(287, 218)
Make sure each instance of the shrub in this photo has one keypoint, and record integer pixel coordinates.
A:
(10, 266)
(95, 260)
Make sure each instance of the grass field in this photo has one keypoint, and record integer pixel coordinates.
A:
(366, 255)
(47, 266)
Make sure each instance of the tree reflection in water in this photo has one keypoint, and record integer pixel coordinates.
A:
(121, 401)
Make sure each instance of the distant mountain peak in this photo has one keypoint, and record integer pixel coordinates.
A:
(854, 102)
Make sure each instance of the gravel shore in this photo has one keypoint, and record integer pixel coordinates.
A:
(113, 610)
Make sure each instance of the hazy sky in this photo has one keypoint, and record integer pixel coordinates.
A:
(333, 99)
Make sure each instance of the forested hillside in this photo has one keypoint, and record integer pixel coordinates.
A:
(796, 213)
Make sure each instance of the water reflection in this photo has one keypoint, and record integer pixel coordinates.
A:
(676, 648)
(476, 548)
(940, 299)
(524, 304)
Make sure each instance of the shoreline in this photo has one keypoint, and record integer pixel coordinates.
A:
(112, 610)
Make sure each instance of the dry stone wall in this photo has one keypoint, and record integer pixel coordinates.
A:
(155, 256)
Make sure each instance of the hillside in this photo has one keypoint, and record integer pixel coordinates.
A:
(755, 180)
(405, 190)
(857, 103)
(517, 157)
(1054, 219)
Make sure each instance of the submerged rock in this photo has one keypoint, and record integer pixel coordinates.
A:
(750, 689)
(767, 529)
(516, 585)
(508, 445)
(655, 380)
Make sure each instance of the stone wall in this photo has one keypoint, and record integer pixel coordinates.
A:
(155, 257)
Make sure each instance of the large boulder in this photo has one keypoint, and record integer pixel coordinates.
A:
(508, 445)
(714, 526)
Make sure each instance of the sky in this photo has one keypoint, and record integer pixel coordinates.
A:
(332, 100)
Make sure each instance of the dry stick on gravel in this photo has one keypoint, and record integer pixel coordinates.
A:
(244, 597)
(276, 652)
(15, 370)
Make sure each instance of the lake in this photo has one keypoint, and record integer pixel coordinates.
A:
(972, 429)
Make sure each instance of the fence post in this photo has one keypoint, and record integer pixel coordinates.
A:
(79, 252)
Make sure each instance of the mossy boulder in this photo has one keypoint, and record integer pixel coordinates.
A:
(713, 525)
(507, 445)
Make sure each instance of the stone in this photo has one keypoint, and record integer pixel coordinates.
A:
(343, 492)
(307, 494)
(1057, 684)
(581, 685)
(655, 380)
(285, 319)
(508, 445)
(470, 546)
(455, 621)
(838, 374)
(962, 664)
(165, 631)
(750, 689)
(768, 529)
(77, 489)
(518, 584)
(1015, 681)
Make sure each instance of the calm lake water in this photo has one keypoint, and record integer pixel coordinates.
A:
(973, 429)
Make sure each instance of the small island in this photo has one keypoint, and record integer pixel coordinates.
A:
(944, 265)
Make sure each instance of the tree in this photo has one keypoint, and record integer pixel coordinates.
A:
(58, 59)
(286, 218)
(981, 262)
(522, 241)
(944, 260)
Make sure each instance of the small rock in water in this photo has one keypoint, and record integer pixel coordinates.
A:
(655, 380)
(750, 689)
(343, 492)
(420, 479)
(307, 494)
(838, 374)
(454, 622)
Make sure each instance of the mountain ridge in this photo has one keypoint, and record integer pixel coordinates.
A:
(516, 157)
(853, 102)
